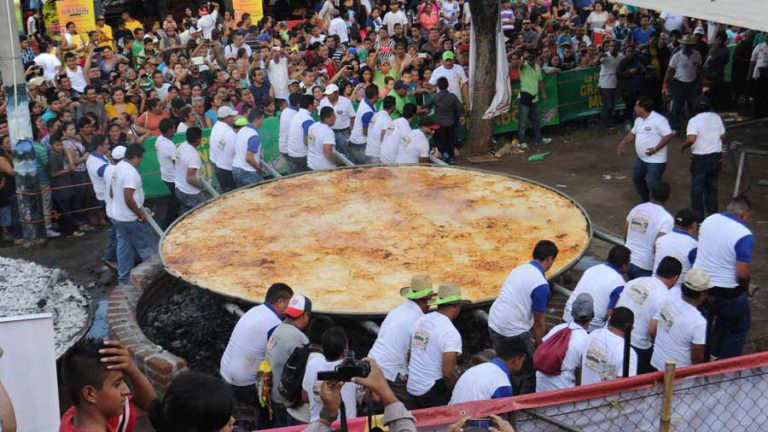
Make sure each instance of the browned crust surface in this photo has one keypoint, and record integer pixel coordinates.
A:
(349, 239)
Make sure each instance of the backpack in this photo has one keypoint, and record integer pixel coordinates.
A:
(289, 386)
(548, 357)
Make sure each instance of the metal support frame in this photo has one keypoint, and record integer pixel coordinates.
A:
(270, 169)
(551, 421)
(152, 222)
(437, 161)
(208, 188)
(345, 160)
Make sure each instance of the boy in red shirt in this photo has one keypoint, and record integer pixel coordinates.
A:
(94, 373)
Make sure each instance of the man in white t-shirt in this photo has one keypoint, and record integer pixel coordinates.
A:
(672, 22)
(394, 16)
(334, 342)
(682, 80)
(582, 312)
(189, 188)
(277, 71)
(246, 166)
(298, 133)
(603, 359)
(705, 134)
(380, 124)
(321, 142)
(49, 62)
(222, 147)
(400, 130)
(651, 134)
(520, 310)
(344, 114)
(644, 224)
(679, 328)
(457, 78)
(134, 235)
(286, 115)
(490, 380)
(390, 350)
(338, 27)
(603, 282)
(207, 20)
(166, 157)
(644, 297)
(247, 345)
(110, 256)
(435, 348)
(363, 116)
(414, 146)
(680, 244)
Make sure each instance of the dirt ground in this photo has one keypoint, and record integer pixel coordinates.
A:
(583, 164)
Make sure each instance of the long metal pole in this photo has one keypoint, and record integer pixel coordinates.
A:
(20, 127)
(343, 158)
(666, 406)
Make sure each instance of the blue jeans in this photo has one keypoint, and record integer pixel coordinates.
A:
(645, 177)
(188, 202)
(297, 164)
(356, 153)
(732, 320)
(705, 170)
(530, 114)
(342, 140)
(635, 272)
(245, 178)
(224, 177)
(110, 254)
(133, 238)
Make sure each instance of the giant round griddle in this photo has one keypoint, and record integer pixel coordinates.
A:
(350, 238)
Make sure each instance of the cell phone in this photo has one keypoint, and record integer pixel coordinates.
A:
(482, 423)
(422, 55)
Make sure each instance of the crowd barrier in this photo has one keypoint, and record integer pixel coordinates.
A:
(725, 395)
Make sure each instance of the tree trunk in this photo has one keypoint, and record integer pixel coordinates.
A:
(484, 16)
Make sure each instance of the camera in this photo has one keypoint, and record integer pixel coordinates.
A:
(346, 370)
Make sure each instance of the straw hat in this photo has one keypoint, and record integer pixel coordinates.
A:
(449, 294)
(420, 288)
(688, 40)
(697, 280)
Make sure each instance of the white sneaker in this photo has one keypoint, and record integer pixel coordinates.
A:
(51, 233)
(546, 141)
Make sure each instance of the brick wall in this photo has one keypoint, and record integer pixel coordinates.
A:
(158, 364)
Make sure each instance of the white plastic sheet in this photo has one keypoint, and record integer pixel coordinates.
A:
(752, 14)
(503, 92)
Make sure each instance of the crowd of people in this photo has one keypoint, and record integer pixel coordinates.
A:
(374, 83)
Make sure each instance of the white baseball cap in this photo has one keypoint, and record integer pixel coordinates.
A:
(118, 152)
(298, 305)
(225, 111)
(332, 88)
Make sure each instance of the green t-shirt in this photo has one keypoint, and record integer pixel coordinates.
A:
(400, 102)
(137, 49)
(379, 78)
(529, 80)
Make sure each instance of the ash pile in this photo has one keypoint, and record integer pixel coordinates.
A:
(27, 288)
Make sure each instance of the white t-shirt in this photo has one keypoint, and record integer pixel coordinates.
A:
(222, 144)
(449, 12)
(247, 345)
(680, 325)
(207, 23)
(50, 64)
(95, 165)
(645, 222)
(431, 336)
(77, 78)
(339, 27)
(285, 124)
(317, 363)
(577, 345)
(486, 381)
(511, 313)
(604, 283)
(679, 245)
(246, 136)
(297, 130)
(166, 156)
(648, 133)
(391, 347)
(392, 18)
(109, 177)
(644, 297)
(708, 128)
(723, 241)
(413, 146)
(318, 137)
(231, 50)
(455, 76)
(759, 58)
(186, 157)
(363, 116)
(393, 140)
(343, 109)
(608, 66)
(379, 124)
(685, 66)
(672, 22)
(278, 77)
(603, 359)
(126, 177)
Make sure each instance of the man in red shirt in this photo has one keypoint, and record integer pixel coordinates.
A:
(94, 373)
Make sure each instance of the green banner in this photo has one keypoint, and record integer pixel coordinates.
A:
(579, 93)
(507, 122)
(150, 167)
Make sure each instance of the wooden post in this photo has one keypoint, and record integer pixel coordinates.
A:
(666, 405)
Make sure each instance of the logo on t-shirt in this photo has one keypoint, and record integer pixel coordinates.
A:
(597, 360)
(667, 315)
(639, 224)
(638, 293)
(420, 339)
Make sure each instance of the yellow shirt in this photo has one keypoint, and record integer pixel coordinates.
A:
(133, 24)
(76, 40)
(115, 110)
(107, 39)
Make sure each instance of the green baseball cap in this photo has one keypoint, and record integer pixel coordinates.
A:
(449, 55)
(241, 121)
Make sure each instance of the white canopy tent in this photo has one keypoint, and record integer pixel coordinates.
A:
(751, 14)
